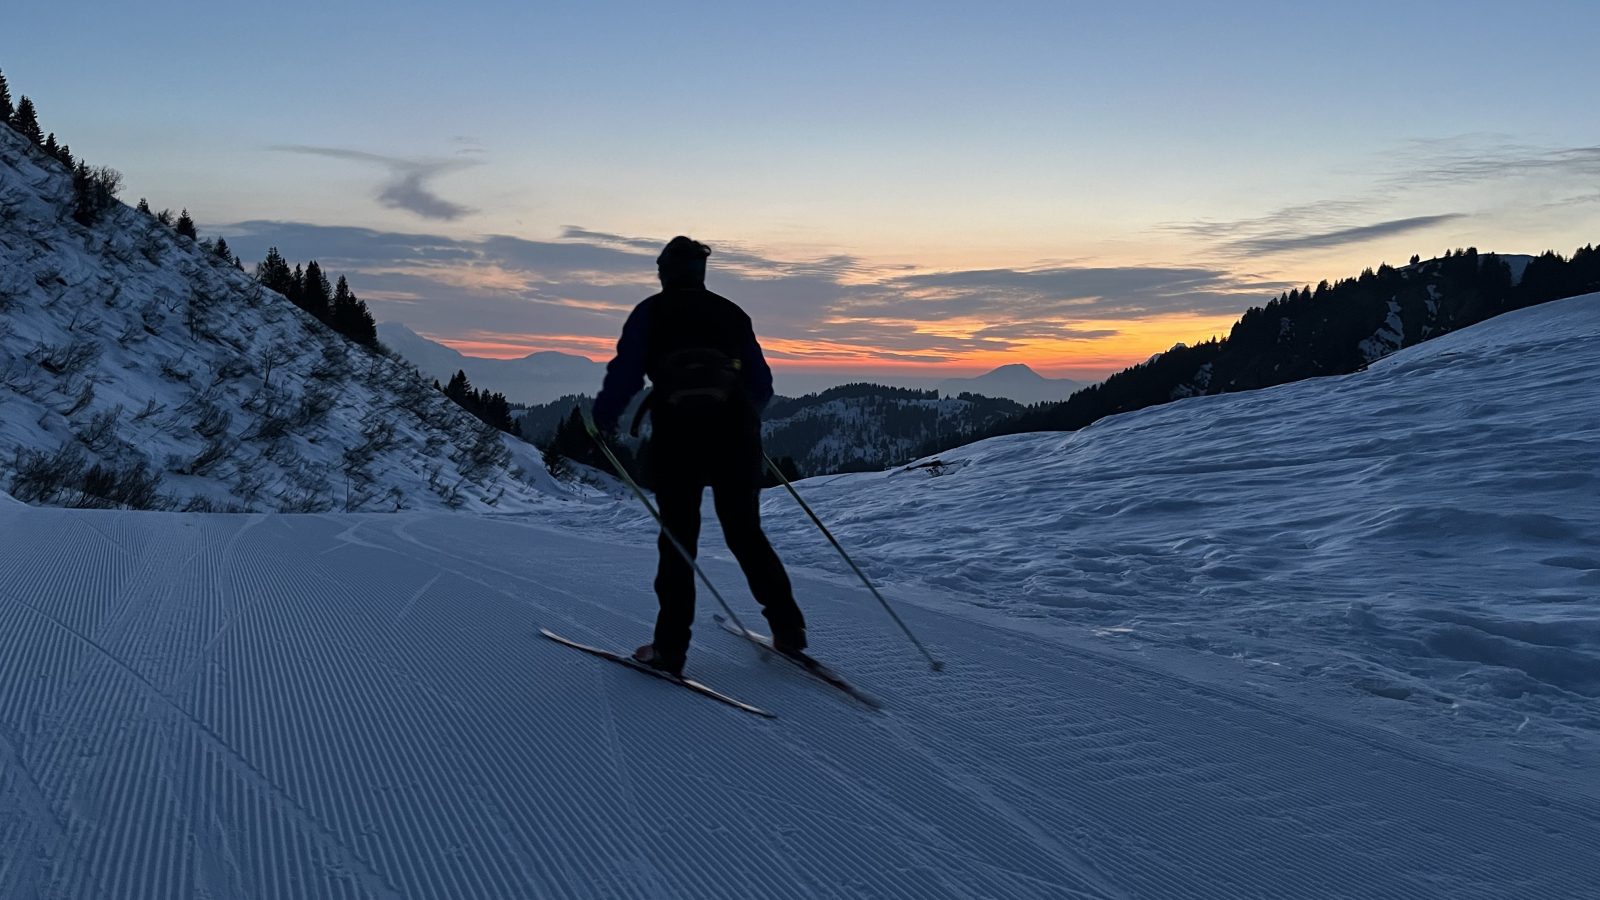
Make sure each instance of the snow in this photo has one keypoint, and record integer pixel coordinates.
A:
(349, 705)
(1336, 638)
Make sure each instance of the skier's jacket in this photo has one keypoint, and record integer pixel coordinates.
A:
(701, 354)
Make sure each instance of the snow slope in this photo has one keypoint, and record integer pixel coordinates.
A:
(1427, 531)
(358, 706)
(125, 344)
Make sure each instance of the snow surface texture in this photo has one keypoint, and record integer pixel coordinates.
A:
(1425, 533)
(126, 343)
(359, 706)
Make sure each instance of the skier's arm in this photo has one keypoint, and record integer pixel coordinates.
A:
(625, 372)
(757, 374)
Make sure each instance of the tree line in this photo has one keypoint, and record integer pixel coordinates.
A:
(493, 409)
(335, 305)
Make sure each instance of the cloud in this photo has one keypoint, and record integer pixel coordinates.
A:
(407, 187)
(1473, 159)
(1280, 242)
(1423, 173)
(1076, 292)
(583, 283)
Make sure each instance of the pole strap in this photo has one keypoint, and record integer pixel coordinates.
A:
(933, 664)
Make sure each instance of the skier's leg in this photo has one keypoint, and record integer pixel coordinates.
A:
(679, 504)
(739, 510)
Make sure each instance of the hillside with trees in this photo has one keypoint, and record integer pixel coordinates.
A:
(1333, 329)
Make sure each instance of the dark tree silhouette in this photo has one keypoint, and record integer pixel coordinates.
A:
(186, 227)
(6, 109)
(26, 121)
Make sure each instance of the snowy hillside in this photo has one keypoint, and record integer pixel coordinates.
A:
(137, 369)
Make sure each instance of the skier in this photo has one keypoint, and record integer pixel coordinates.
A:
(709, 384)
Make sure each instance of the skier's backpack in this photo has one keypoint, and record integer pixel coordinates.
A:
(699, 378)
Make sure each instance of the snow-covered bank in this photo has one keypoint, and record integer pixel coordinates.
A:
(139, 369)
(358, 706)
(1426, 532)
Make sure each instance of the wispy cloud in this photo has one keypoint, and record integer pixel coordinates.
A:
(1280, 242)
(1419, 175)
(407, 187)
(1473, 159)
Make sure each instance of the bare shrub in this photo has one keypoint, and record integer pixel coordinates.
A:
(67, 359)
(274, 356)
(96, 190)
(171, 371)
(101, 432)
(151, 317)
(269, 427)
(85, 397)
(315, 404)
(133, 486)
(211, 455)
(151, 408)
(214, 420)
(42, 477)
(231, 369)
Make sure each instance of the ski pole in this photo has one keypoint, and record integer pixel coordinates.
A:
(933, 664)
(594, 433)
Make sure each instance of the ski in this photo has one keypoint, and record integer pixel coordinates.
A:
(637, 666)
(805, 662)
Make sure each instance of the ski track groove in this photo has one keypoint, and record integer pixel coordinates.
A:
(357, 706)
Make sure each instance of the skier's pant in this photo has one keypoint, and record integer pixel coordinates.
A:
(739, 510)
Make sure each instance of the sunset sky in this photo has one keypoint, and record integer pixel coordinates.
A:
(888, 188)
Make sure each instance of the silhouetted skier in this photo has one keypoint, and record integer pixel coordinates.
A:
(709, 384)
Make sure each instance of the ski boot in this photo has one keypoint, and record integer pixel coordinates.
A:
(648, 656)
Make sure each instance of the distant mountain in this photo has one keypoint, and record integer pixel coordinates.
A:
(1014, 382)
(532, 379)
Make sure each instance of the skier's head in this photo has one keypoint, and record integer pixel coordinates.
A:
(682, 262)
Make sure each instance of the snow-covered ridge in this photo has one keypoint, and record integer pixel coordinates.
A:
(138, 370)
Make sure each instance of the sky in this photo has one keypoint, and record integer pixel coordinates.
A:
(890, 189)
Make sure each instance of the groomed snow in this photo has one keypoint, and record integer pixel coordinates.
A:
(359, 706)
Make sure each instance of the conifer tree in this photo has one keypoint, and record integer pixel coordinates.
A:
(222, 251)
(297, 287)
(186, 227)
(6, 109)
(26, 121)
(144, 206)
(273, 273)
(350, 316)
(315, 291)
